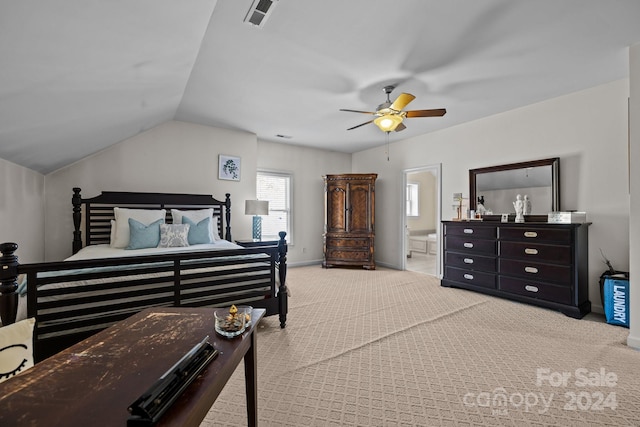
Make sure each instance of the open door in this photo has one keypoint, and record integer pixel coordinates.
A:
(421, 220)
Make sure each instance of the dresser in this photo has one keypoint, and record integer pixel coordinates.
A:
(537, 263)
(349, 220)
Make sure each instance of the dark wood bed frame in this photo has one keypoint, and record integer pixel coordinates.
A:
(252, 276)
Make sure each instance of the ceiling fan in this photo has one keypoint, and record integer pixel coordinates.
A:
(391, 115)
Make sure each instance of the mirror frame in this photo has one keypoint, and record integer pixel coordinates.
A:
(554, 162)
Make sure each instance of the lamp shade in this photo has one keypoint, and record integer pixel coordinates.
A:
(388, 122)
(256, 207)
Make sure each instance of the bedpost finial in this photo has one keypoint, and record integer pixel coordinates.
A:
(8, 248)
(8, 283)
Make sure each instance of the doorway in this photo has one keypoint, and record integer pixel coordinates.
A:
(421, 220)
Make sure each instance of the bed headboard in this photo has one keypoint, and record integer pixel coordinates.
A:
(97, 212)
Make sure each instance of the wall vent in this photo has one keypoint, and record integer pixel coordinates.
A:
(259, 11)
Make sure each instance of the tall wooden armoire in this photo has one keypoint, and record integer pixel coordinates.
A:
(349, 220)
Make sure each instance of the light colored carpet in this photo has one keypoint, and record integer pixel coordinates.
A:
(394, 348)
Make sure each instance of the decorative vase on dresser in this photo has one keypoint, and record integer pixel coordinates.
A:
(537, 263)
(349, 220)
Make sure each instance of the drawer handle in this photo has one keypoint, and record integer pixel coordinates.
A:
(468, 230)
(530, 234)
(468, 276)
(531, 270)
(468, 260)
(531, 251)
(468, 245)
(531, 288)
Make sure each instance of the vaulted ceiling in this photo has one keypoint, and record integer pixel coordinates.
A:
(80, 75)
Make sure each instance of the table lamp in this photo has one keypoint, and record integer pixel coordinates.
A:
(256, 208)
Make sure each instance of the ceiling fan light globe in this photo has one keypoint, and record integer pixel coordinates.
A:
(388, 122)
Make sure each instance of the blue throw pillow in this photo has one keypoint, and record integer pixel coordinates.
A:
(198, 233)
(144, 236)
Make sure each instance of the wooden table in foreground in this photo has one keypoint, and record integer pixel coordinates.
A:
(95, 381)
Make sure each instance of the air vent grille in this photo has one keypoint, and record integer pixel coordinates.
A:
(259, 12)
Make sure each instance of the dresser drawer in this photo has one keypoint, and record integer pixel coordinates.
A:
(532, 288)
(540, 235)
(560, 274)
(471, 230)
(555, 254)
(477, 278)
(471, 261)
(477, 246)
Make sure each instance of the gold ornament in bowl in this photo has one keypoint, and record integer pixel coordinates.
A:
(231, 322)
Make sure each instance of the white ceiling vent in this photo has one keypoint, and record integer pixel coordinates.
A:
(259, 12)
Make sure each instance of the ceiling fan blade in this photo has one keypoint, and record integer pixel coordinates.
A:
(402, 101)
(427, 113)
(400, 127)
(365, 123)
(357, 111)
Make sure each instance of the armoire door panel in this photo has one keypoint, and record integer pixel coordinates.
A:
(336, 208)
(359, 215)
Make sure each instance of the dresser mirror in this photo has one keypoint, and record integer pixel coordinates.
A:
(498, 186)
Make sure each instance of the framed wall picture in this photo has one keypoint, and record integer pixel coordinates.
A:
(229, 168)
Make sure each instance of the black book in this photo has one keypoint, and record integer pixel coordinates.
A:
(153, 403)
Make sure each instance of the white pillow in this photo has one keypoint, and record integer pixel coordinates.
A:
(144, 216)
(16, 348)
(197, 216)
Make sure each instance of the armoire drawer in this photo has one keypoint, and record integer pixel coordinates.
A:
(560, 274)
(476, 278)
(352, 242)
(471, 261)
(532, 251)
(464, 244)
(535, 289)
(347, 254)
(532, 234)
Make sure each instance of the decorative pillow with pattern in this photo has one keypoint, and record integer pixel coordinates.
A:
(174, 235)
(16, 348)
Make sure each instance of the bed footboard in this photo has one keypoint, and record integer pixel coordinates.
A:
(73, 300)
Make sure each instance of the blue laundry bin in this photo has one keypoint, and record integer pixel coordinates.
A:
(616, 299)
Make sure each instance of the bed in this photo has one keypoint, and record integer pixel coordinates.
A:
(99, 285)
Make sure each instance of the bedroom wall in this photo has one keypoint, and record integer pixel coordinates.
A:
(634, 227)
(307, 165)
(183, 158)
(175, 157)
(22, 210)
(587, 130)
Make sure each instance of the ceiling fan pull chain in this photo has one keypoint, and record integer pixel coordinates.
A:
(387, 145)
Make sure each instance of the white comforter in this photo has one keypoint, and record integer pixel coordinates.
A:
(106, 251)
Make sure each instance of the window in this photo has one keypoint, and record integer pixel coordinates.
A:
(412, 199)
(276, 188)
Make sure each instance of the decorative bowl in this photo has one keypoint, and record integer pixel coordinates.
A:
(228, 322)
